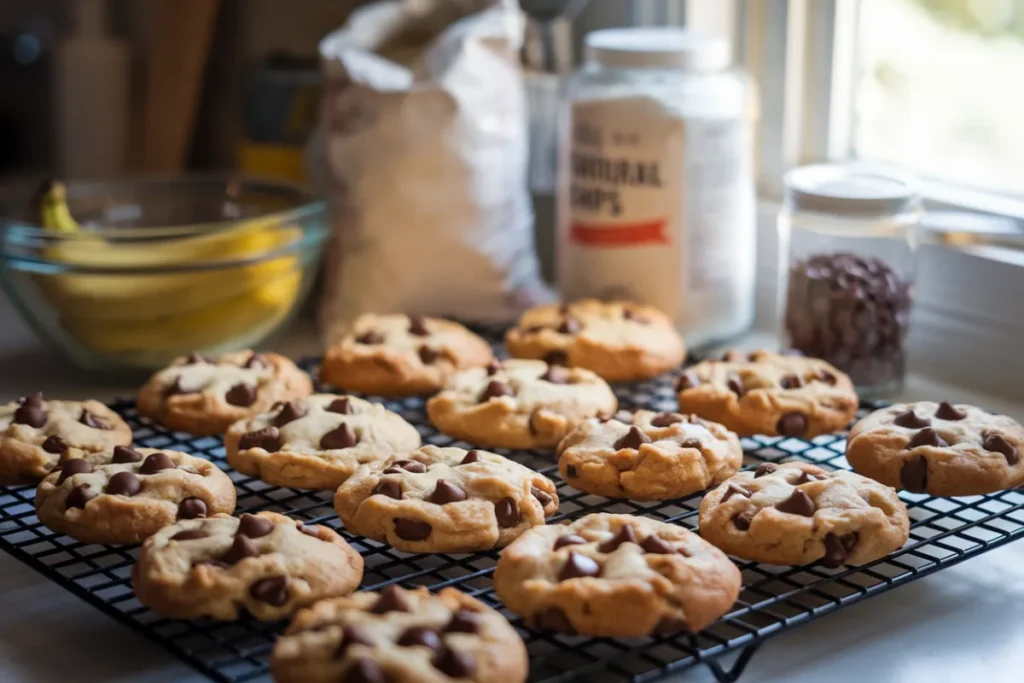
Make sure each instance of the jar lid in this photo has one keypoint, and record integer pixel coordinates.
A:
(657, 48)
(850, 190)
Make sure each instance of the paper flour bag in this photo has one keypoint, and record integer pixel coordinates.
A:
(424, 142)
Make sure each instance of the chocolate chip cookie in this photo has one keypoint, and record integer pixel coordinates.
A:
(398, 635)
(137, 493)
(266, 564)
(437, 500)
(36, 434)
(317, 442)
(797, 513)
(938, 448)
(201, 395)
(620, 341)
(768, 393)
(616, 575)
(519, 403)
(400, 355)
(648, 456)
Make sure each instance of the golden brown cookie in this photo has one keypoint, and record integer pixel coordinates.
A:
(137, 493)
(398, 635)
(648, 456)
(400, 355)
(36, 434)
(519, 404)
(440, 500)
(938, 448)
(202, 395)
(616, 575)
(620, 341)
(798, 513)
(266, 564)
(318, 441)
(768, 393)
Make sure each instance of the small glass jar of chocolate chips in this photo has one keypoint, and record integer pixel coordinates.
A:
(847, 239)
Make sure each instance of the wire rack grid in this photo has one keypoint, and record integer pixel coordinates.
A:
(773, 600)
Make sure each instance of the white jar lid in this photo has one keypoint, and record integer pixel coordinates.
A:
(657, 48)
(850, 190)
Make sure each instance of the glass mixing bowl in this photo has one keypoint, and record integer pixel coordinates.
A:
(156, 268)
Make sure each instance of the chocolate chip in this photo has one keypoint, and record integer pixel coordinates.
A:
(342, 437)
(54, 444)
(195, 358)
(687, 380)
(463, 621)
(837, 549)
(736, 386)
(254, 526)
(623, 416)
(765, 468)
(31, 411)
(412, 529)
(826, 377)
(691, 443)
(125, 454)
(553, 619)
(365, 670)
(998, 444)
(312, 530)
(569, 539)
(256, 360)
(493, 367)
(471, 457)
(418, 636)
(454, 663)
(391, 489)
(290, 412)
(578, 565)
(90, 420)
(428, 355)
(798, 503)
(272, 590)
(804, 478)
(556, 375)
(734, 489)
(371, 337)
(910, 420)
(570, 471)
(446, 492)
(790, 382)
(175, 389)
(392, 599)
(569, 326)
(742, 520)
(243, 395)
(656, 546)
(496, 389)
(240, 549)
(414, 466)
(268, 438)
(340, 405)
(543, 497)
(123, 484)
(79, 496)
(556, 358)
(914, 475)
(668, 625)
(189, 535)
(947, 411)
(926, 437)
(73, 467)
(625, 534)
(507, 512)
(667, 419)
(792, 424)
(417, 326)
(634, 438)
(155, 462)
(192, 508)
(352, 635)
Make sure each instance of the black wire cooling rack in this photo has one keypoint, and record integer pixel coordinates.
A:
(774, 599)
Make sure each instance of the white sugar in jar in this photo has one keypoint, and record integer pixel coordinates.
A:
(655, 182)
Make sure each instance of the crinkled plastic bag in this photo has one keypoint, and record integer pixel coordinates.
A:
(424, 141)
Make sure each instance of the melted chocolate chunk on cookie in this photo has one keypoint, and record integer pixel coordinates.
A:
(400, 466)
(471, 457)
(242, 395)
(765, 468)
(272, 590)
(909, 419)
(370, 338)
(123, 484)
(54, 444)
(177, 389)
(926, 437)
(838, 549)
(568, 326)
(155, 462)
(419, 636)
(336, 439)
(90, 420)
(826, 377)
(742, 520)
(391, 489)
(192, 508)
(667, 419)
(634, 438)
(125, 454)
(543, 497)
(798, 503)
(496, 389)
(625, 534)
(267, 438)
(463, 621)
(189, 535)
(553, 619)
(428, 356)
(31, 411)
(657, 546)
(996, 443)
(446, 492)
(691, 443)
(507, 513)
(79, 496)
(392, 599)
(557, 357)
(569, 539)
(578, 565)
(290, 412)
(790, 382)
(914, 475)
(947, 411)
(792, 424)
(570, 471)
(241, 548)
(556, 374)
(493, 367)
(687, 380)
(734, 489)
(736, 386)
(454, 663)
(352, 635)
(418, 326)
(342, 406)
(73, 467)
(257, 361)
(412, 529)
(805, 477)
(254, 526)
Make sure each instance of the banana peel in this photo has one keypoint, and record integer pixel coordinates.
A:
(162, 315)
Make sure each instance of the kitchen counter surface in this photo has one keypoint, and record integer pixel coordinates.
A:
(961, 624)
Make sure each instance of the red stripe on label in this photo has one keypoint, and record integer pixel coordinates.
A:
(620, 234)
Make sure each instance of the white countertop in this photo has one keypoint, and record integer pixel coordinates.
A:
(960, 624)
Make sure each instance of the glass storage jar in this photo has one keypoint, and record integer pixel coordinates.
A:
(847, 235)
